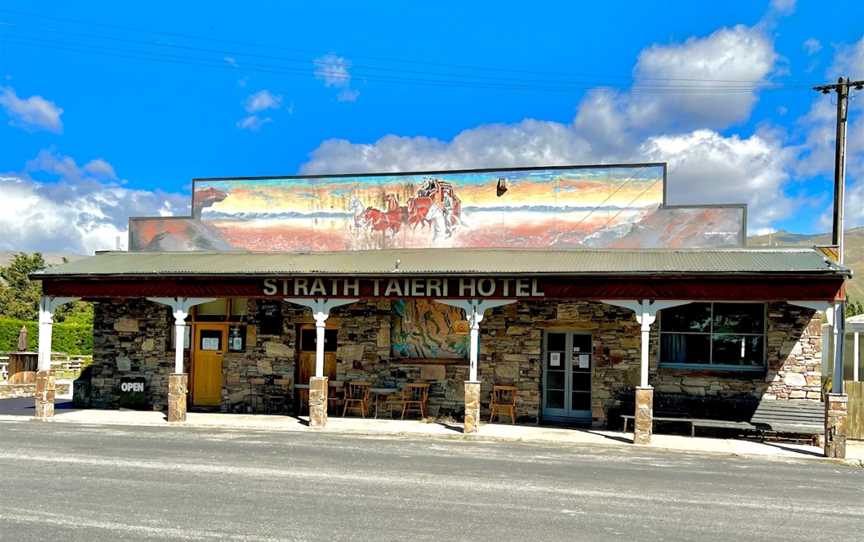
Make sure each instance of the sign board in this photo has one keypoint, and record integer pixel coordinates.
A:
(131, 392)
(408, 287)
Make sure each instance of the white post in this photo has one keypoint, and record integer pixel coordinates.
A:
(320, 312)
(839, 337)
(646, 319)
(46, 323)
(44, 396)
(320, 327)
(474, 311)
(855, 356)
(47, 306)
(178, 381)
(180, 307)
(179, 338)
(474, 348)
(646, 313)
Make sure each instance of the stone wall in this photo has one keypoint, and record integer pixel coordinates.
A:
(132, 338)
(268, 356)
(13, 391)
(511, 341)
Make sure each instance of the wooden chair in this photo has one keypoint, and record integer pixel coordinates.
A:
(414, 396)
(357, 396)
(503, 399)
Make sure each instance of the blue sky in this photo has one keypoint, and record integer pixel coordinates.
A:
(109, 109)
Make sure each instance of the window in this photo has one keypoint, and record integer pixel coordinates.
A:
(231, 309)
(716, 335)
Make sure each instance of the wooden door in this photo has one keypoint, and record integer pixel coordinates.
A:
(210, 346)
(306, 365)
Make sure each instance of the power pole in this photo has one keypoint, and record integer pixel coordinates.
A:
(842, 88)
(837, 235)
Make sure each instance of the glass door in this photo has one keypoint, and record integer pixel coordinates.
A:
(567, 376)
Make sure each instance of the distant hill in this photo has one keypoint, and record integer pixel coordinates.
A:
(854, 251)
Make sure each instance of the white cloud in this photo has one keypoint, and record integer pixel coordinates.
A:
(783, 7)
(709, 82)
(31, 114)
(100, 168)
(819, 124)
(334, 70)
(706, 167)
(257, 102)
(812, 46)
(262, 100)
(631, 126)
(230, 60)
(253, 123)
(849, 61)
(76, 211)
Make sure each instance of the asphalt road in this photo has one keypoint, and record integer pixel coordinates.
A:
(75, 482)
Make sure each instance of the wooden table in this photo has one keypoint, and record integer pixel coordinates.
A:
(379, 393)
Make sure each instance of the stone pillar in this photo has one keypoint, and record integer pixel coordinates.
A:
(44, 395)
(178, 384)
(472, 407)
(318, 402)
(644, 420)
(836, 419)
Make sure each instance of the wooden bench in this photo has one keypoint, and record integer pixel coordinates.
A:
(770, 416)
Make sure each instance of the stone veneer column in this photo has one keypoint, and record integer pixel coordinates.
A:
(472, 407)
(318, 402)
(44, 395)
(836, 419)
(178, 384)
(644, 417)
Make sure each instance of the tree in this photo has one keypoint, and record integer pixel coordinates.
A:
(854, 308)
(19, 296)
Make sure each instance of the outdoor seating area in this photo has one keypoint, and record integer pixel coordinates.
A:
(362, 399)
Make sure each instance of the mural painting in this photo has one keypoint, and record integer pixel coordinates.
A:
(426, 329)
(572, 207)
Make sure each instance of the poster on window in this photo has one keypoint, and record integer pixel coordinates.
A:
(210, 343)
(554, 359)
(584, 361)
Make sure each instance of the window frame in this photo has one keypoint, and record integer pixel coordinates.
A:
(763, 367)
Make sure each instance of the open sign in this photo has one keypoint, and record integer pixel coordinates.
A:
(131, 392)
(132, 386)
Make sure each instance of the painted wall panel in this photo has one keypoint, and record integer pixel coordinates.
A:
(573, 207)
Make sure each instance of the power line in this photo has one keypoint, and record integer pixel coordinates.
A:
(441, 81)
(363, 70)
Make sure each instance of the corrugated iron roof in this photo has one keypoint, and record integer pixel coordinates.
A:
(454, 261)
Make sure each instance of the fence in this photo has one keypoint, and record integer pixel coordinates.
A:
(855, 428)
(65, 366)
